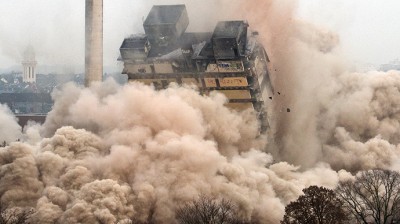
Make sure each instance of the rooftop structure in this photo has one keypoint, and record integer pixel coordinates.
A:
(165, 24)
(229, 39)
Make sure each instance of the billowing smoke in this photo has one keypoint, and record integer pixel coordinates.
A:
(109, 153)
(363, 128)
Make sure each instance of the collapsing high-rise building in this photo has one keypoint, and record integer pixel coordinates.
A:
(228, 60)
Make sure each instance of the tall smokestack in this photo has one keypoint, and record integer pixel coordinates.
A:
(94, 41)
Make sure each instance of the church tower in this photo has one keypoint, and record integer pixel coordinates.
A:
(29, 65)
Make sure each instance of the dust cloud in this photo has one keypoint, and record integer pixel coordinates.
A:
(348, 120)
(9, 129)
(112, 154)
(116, 153)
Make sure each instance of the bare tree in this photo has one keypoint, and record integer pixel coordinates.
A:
(208, 211)
(318, 205)
(15, 215)
(373, 197)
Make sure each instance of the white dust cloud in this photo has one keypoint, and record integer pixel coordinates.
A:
(9, 128)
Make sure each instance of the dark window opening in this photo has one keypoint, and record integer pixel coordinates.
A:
(236, 52)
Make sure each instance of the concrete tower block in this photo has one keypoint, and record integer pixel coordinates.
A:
(93, 41)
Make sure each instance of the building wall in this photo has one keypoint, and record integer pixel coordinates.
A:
(163, 68)
(139, 68)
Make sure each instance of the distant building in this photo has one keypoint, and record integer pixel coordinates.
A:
(29, 66)
(393, 65)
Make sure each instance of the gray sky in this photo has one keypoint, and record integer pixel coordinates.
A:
(369, 29)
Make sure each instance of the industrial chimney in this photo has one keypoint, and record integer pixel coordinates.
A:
(93, 41)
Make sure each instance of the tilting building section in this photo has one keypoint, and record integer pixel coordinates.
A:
(228, 60)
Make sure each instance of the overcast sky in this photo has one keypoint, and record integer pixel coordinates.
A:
(369, 30)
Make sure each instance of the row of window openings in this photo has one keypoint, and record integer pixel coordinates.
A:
(143, 70)
(165, 83)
